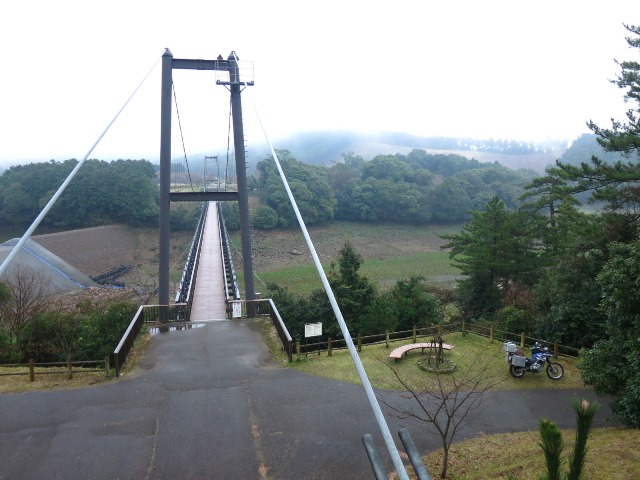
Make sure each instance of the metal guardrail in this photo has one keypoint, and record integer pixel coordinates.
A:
(188, 280)
(227, 262)
(379, 471)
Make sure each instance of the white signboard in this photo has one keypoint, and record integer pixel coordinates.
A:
(237, 310)
(313, 329)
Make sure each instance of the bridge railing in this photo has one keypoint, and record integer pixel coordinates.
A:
(189, 273)
(145, 314)
(266, 307)
(227, 262)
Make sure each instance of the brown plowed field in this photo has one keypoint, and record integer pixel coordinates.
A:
(93, 250)
(99, 249)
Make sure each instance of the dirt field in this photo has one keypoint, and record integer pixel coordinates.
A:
(93, 250)
(285, 248)
(97, 250)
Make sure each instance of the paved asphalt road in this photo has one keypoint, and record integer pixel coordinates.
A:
(208, 403)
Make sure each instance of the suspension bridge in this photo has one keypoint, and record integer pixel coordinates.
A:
(209, 292)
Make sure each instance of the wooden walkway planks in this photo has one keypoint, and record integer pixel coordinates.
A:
(209, 300)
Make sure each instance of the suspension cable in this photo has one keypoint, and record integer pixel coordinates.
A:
(175, 100)
(382, 423)
(61, 189)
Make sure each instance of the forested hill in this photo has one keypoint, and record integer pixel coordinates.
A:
(586, 147)
(124, 191)
(415, 188)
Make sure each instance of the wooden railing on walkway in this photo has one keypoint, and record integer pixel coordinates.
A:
(427, 333)
(32, 369)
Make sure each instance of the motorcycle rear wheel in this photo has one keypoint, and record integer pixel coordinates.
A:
(555, 371)
(517, 372)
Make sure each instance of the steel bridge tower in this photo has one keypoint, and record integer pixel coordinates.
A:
(166, 197)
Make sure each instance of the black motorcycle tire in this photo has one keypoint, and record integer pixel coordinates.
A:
(555, 371)
(517, 372)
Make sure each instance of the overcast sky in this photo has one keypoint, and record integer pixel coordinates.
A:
(500, 69)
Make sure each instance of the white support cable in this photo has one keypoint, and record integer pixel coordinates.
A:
(54, 198)
(382, 423)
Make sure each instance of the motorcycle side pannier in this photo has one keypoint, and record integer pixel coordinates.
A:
(518, 361)
(509, 347)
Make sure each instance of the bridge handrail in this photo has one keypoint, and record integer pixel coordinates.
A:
(227, 259)
(188, 280)
(187, 272)
(221, 239)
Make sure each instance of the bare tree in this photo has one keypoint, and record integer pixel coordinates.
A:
(448, 401)
(143, 287)
(30, 296)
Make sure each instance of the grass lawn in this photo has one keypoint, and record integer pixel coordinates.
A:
(376, 361)
(612, 452)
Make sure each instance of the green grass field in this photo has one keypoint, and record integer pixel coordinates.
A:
(434, 266)
(390, 251)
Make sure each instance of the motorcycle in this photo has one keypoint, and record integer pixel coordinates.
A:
(540, 355)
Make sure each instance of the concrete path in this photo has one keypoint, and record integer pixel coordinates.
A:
(208, 403)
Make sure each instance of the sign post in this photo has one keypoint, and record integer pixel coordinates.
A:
(313, 330)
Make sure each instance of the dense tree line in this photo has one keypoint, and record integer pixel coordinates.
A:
(308, 184)
(124, 191)
(414, 188)
(554, 271)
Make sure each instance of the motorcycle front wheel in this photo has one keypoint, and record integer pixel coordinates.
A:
(555, 371)
(517, 372)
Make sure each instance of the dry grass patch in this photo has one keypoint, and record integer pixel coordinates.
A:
(611, 455)
(21, 383)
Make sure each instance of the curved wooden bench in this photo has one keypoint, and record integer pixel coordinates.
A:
(398, 353)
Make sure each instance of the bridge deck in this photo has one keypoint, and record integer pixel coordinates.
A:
(209, 300)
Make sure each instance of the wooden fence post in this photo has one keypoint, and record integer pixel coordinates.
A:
(359, 342)
(555, 348)
(522, 340)
(32, 374)
(298, 349)
(491, 333)
(414, 334)
(107, 367)
(329, 346)
(387, 339)
(464, 327)
(440, 329)
(69, 375)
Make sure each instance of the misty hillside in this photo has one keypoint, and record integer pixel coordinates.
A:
(326, 148)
